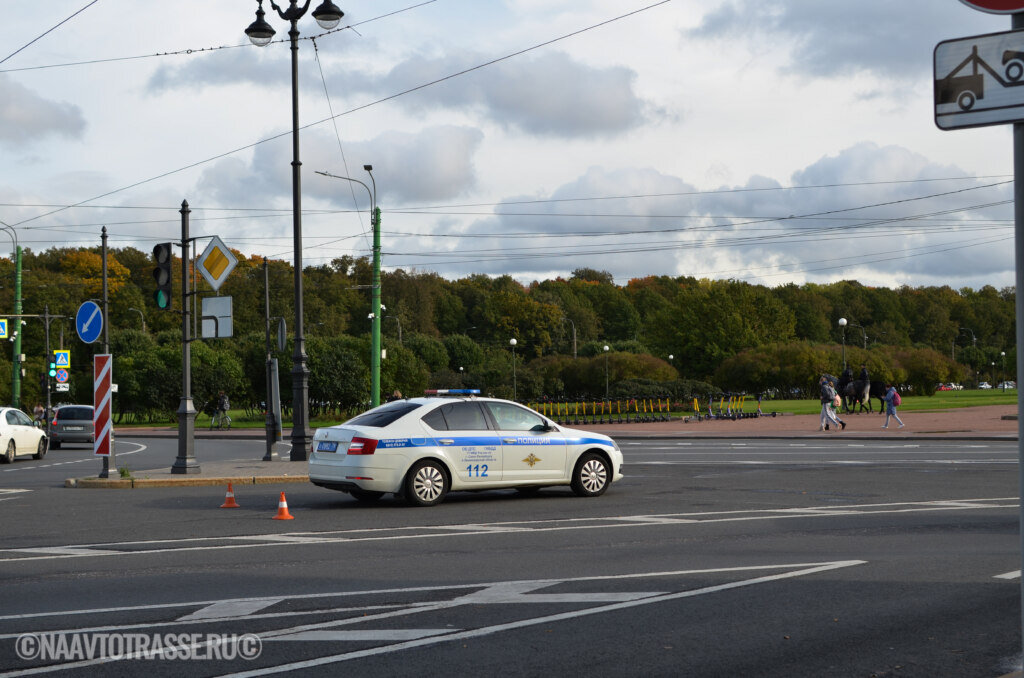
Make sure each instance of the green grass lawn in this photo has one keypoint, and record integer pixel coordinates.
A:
(942, 400)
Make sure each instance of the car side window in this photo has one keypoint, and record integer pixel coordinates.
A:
(464, 416)
(515, 418)
(20, 418)
(435, 420)
(12, 419)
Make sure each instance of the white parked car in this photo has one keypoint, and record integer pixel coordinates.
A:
(20, 436)
(421, 448)
(984, 384)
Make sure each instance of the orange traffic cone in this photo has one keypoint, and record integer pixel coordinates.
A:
(282, 510)
(229, 499)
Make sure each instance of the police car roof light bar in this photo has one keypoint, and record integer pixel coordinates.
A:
(452, 391)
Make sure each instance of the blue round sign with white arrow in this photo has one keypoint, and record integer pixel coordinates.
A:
(89, 322)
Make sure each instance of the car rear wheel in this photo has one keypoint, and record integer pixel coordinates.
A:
(591, 476)
(55, 445)
(366, 495)
(426, 484)
(8, 457)
(41, 449)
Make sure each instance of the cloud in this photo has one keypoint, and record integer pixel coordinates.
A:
(547, 95)
(837, 217)
(25, 117)
(828, 39)
(435, 163)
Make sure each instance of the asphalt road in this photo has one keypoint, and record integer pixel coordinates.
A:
(711, 558)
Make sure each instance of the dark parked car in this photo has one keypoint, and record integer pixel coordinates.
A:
(71, 424)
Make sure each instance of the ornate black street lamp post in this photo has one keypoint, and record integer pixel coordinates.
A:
(260, 34)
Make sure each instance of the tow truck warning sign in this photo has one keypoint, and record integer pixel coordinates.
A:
(979, 80)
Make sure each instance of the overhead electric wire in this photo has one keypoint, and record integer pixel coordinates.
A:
(358, 108)
(190, 51)
(44, 33)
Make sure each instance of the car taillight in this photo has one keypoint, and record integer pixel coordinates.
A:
(362, 446)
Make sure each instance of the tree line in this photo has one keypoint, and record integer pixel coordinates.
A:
(677, 337)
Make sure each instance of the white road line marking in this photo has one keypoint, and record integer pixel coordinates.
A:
(1008, 575)
(447, 531)
(489, 630)
(394, 635)
(230, 608)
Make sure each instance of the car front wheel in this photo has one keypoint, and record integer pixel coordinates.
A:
(8, 457)
(591, 476)
(426, 484)
(41, 449)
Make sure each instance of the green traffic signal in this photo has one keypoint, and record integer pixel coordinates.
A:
(53, 369)
(162, 275)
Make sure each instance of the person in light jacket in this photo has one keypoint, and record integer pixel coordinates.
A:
(890, 406)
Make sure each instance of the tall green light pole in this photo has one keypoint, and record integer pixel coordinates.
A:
(375, 330)
(375, 307)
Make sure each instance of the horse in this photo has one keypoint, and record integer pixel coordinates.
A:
(857, 392)
(878, 391)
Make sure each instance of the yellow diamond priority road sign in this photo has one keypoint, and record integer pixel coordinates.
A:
(216, 263)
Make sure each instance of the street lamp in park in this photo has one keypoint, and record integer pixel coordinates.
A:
(512, 342)
(141, 316)
(606, 349)
(1002, 368)
(260, 34)
(842, 324)
(375, 304)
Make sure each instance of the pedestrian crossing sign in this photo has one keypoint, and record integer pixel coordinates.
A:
(3, 328)
(62, 357)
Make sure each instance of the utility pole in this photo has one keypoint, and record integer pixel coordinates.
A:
(186, 461)
(375, 323)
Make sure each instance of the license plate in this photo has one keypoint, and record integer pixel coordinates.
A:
(327, 446)
(74, 428)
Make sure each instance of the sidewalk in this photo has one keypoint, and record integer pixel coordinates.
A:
(995, 422)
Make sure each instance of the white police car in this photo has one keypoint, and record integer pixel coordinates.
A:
(421, 448)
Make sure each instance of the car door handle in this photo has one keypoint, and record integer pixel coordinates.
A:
(508, 440)
(446, 441)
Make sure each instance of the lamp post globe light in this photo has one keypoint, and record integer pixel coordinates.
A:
(260, 33)
(512, 342)
(842, 324)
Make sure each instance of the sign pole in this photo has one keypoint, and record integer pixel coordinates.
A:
(1018, 249)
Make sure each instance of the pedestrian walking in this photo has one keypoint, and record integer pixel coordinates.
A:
(892, 401)
(828, 398)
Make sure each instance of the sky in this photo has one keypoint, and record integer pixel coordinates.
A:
(770, 141)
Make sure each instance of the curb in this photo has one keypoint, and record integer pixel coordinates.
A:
(139, 483)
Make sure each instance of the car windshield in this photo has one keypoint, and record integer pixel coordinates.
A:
(384, 415)
(75, 413)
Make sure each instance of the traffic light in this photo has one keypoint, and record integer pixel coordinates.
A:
(53, 369)
(162, 275)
